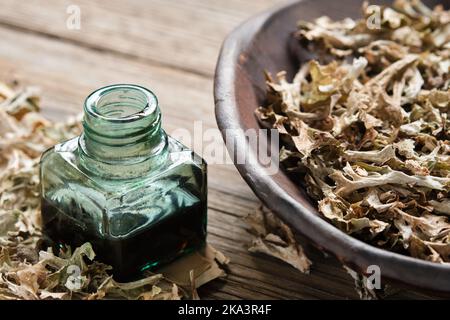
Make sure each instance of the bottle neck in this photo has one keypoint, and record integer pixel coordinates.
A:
(122, 135)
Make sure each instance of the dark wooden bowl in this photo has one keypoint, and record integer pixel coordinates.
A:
(263, 43)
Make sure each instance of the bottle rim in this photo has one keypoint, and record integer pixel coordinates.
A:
(147, 103)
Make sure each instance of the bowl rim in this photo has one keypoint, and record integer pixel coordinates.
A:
(352, 252)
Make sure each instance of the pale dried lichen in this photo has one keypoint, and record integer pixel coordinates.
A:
(274, 238)
(365, 126)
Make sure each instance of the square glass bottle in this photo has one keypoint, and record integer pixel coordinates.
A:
(137, 195)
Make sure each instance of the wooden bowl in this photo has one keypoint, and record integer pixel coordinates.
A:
(263, 43)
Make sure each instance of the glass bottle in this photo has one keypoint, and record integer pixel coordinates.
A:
(136, 194)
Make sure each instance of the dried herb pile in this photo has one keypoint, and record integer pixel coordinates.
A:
(30, 271)
(365, 125)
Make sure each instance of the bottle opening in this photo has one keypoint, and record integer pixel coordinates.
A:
(121, 103)
(122, 125)
(118, 103)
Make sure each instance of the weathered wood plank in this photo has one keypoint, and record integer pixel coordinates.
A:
(185, 34)
(115, 46)
(67, 73)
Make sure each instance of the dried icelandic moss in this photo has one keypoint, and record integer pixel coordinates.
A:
(365, 126)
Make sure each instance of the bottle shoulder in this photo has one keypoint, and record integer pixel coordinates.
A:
(179, 153)
(66, 150)
(63, 160)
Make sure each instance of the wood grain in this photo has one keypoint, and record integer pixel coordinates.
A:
(173, 33)
(170, 47)
(68, 73)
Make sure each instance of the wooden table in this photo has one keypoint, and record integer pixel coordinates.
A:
(171, 47)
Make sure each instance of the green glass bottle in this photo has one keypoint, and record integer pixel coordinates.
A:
(136, 194)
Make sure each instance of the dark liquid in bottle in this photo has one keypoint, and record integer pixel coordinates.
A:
(180, 232)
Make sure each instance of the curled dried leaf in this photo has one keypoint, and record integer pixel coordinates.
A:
(274, 238)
